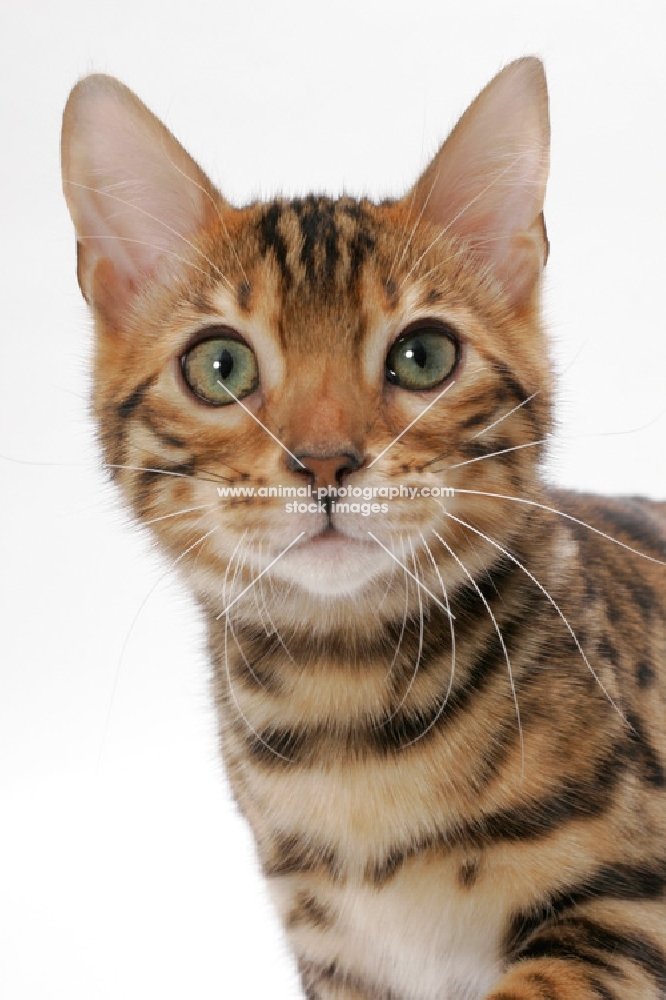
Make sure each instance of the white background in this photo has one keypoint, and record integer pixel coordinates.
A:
(124, 871)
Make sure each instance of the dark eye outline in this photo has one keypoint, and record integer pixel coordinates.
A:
(201, 337)
(429, 325)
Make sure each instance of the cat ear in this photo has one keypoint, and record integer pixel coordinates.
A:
(488, 181)
(134, 194)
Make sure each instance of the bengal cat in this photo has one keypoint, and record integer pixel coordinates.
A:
(440, 683)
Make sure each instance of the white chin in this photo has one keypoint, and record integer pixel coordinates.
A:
(332, 565)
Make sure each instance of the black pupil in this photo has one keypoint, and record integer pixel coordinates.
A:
(418, 353)
(225, 364)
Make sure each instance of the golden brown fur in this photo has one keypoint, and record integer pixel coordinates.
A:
(454, 768)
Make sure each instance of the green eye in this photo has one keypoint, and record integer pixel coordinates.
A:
(422, 358)
(214, 366)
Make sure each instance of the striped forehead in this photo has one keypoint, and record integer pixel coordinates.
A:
(317, 241)
(316, 249)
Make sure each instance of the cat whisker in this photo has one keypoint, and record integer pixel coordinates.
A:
(500, 419)
(396, 262)
(632, 430)
(227, 626)
(215, 205)
(402, 237)
(240, 711)
(270, 628)
(569, 517)
(477, 197)
(255, 592)
(410, 425)
(153, 246)
(499, 636)
(478, 243)
(153, 218)
(179, 513)
(209, 477)
(417, 662)
(492, 454)
(389, 584)
(265, 570)
(239, 567)
(125, 644)
(262, 425)
(517, 562)
(416, 580)
(404, 619)
(274, 629)
(501, 451)
(444, 702)
(229, 565)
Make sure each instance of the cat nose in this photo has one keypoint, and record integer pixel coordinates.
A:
(325, 470)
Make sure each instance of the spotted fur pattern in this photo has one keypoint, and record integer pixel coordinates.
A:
(452, 756)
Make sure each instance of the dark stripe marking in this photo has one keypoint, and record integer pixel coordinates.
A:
(272, 239)
(653, 772)
(152, 422)
(293, 853)
(633, 519)
(645, 674)
(547, 988)
(319, 233)
(583, 938)
(614, 881)
(134, 400)
(310, 911)
(533, 820)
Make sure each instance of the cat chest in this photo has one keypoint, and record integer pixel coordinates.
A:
(421, 936)
(356, 893)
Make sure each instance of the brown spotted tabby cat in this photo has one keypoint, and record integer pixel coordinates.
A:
(440, 684)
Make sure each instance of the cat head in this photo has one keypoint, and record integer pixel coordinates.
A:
(316, 346)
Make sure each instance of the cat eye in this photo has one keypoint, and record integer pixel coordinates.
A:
(218, 364)
(422, 358)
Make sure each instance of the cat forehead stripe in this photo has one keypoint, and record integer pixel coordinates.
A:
(317, 239)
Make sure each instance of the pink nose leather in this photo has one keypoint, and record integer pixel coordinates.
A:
(328, 470)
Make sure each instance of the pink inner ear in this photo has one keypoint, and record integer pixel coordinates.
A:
(133, 192)
(487, 183)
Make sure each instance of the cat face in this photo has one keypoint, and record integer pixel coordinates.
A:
(365, 356)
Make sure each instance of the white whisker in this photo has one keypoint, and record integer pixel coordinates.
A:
(499, 636)
(397, 263)
(509, 555)
(410, 425)
(178, 513)
(211, 477)
(435, 719)
(500, 419)
(252, 582)
(230, 685)
(477, 197)
(257, 420)
(153, 246)
(416, 580)
(153, 218)
(215, 205)
(404, 619)
(121, 656)
(569, 517)
(494, 454)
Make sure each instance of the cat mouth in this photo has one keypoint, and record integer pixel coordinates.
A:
(331, 540)
(329, 535)
(331, 563)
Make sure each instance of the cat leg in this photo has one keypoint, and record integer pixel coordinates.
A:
(578, 979)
